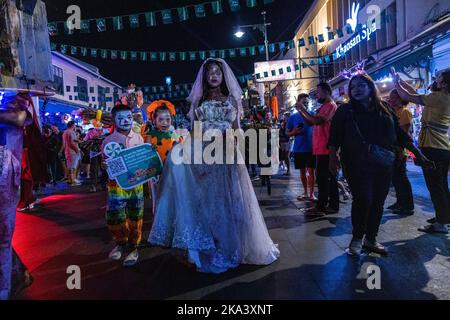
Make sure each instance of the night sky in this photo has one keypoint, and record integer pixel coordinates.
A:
(211, 32)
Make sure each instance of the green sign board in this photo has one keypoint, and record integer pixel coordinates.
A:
(133, 167)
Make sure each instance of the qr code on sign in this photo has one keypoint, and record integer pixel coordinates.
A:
(116, 167)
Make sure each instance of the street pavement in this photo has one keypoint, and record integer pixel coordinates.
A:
(70, 230)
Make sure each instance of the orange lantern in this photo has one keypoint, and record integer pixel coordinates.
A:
(274, 107)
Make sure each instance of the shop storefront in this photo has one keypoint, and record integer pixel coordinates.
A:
(389, 33)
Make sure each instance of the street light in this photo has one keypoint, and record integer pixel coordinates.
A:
(239, 34)
(261, 27)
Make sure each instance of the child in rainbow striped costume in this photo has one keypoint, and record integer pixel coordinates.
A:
(125, 208)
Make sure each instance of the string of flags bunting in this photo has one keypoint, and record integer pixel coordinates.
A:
(153, 18)
(172, 56)
(163, 56)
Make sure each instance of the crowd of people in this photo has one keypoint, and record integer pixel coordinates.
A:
(367, 142)
(211, 212)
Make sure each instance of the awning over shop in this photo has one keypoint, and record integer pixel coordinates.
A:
(55, 105)
(415, 58)
(441, 54)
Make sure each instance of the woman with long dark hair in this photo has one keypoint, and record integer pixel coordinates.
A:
(367, 133)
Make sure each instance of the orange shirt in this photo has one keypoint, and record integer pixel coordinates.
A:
(163, 142)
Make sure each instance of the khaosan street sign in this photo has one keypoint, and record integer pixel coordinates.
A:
(363, 34)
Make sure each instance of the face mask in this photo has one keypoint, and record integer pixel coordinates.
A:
(124, 120)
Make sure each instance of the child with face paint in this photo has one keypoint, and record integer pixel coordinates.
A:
(125, 208)
(161, 138)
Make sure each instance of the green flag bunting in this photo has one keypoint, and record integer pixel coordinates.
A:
(200, 11)
(217, 7)
(67, 30)
(150, 19)
(53, 29)
(117, 23)
(251, 3)
(101, 25)
(134, 21)
(234, 5)
(183, 56)
(167, 16)
(183, 13)
(85, 26)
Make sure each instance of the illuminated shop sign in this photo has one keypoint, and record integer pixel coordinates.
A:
(363, 34)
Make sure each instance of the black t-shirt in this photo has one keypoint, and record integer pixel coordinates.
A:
(377, 127)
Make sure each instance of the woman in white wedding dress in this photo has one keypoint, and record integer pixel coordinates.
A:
(211, 211)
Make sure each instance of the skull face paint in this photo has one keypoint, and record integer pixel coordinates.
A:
(163, 121)
(214, 76)
(124, 120)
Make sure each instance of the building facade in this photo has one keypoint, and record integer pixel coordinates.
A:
(79, 83)
(411, 35)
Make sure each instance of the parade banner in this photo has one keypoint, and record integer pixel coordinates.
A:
(132, 167)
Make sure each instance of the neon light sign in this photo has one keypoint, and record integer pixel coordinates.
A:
(353, 21)
(363, 34)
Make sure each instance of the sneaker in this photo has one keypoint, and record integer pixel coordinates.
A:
(314, 212)
(403, 212)
(395, 206)
(131, 259)
(93, 189)
(116, 253)
(435, 228)
(355, 247)
(76, 183)
(432, 221)
(28, 208)
(375, 247)
(302, 198)
(313, 198)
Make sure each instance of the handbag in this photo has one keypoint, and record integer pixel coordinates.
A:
(376, 154)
